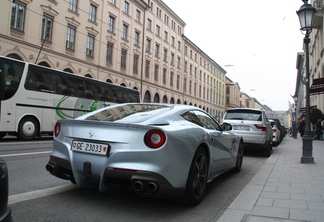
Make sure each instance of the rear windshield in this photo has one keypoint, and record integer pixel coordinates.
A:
(129, 113)
(252, 115)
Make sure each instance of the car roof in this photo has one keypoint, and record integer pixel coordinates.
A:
(245, 109)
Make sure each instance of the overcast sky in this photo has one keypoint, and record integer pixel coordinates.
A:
(255, 41)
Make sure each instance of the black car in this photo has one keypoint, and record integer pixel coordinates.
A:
(5, 212)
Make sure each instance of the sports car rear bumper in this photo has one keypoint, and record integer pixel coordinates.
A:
(139, 182)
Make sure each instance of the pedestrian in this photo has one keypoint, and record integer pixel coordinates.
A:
(301, 127)
(318, 130)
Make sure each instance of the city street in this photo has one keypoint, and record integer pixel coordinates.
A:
(35, 195)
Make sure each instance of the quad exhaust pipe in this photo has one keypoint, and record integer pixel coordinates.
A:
(140, 186)
(50, 168)
(152, 187)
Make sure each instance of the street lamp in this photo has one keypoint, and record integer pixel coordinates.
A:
(306, 17)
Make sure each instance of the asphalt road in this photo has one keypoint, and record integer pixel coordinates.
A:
(35, 195)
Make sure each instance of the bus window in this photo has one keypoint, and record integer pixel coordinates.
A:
(94, 90)
(119, 95)
(111, 94)
(10, 72)
(40, 79)
(132, 97)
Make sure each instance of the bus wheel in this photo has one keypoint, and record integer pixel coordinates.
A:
(28, 128)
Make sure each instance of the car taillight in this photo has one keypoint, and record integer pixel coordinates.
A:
(261, 127)
(154, 138)
(274, 130)
(57, 129)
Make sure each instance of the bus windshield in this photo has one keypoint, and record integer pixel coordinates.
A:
(10, 76)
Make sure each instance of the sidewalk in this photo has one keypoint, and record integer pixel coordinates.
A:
(283, 189)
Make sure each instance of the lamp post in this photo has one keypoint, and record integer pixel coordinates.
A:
(306, 17)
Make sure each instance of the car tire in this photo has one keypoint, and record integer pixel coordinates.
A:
(239, 158)
(197, 179)
(28, 128)
(268, 150)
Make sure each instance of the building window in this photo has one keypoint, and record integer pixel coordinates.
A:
(149, 24)
(138, 15)
(73, 5)
(172, 41)
(126, 7)
(171, 79)
(136, 38)
(157, 50)
(179, 30)
(147, 68)
(179, 62)
(18, 12)
(165, 55)
(157, 30)
(156, 72)
(179, 45)
(166, 19)
(70, 37)
(185, 85)
(47, 28)
(113, 2)
(164, 76)
(90, 46)
(172, 59)
(111, 24)
(135, 64)
(148, 45)
(173, 25)
(123, 59)
(93, 13)
(178, 81)
(125, 31)
(158, 12)
(165, 38)
(109, 57)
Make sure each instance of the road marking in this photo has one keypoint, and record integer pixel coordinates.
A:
(24, 154)
(39, 193)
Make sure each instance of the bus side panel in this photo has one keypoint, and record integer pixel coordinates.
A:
(7, 121)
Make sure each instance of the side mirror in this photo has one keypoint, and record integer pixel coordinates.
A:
(227, 127)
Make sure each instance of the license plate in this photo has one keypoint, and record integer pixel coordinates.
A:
(245, 128)
(86, 147)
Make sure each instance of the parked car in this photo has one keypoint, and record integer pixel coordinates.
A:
(5, 211)
(276, 134)
(281, 128)
(253, 125)
(161, 150)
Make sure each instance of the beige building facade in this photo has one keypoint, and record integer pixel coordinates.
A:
(316, 50)
(249, 102)
(134, 43)
(232, 94)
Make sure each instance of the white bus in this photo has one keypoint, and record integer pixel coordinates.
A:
(33, 97)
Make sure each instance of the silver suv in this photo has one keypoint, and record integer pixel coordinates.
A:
(253, 125)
